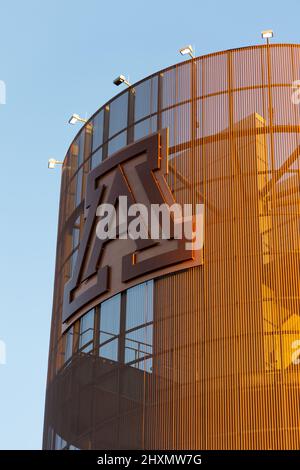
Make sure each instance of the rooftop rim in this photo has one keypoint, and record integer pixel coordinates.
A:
(170, 67)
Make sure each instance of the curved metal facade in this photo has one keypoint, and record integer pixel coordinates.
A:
(214, 364)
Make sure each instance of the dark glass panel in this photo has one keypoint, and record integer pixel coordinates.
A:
(118, 111)
(78, 187)
(96, 158)
(117, 143)
(86, 333)
(139, 311)
(110, 327)
(145, 127)
(97, 130)
(68, 344)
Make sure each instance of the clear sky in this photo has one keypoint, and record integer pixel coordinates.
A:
(59, 57)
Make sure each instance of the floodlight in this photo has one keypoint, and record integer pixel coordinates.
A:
(52, 162)
(187, 50)
(267, 34)
(121, 79)
(76, 118)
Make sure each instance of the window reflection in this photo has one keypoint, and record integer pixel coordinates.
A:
(97, 131)
(117, 143)
(73, 261)
(86, 333)
(96, 158)
(60, 443)
(138, 338)
(75, 244)
(78, 158)
(78, 187)
(73, 158)
(68, 344)
(81, 148)
(134, 332)
(110, 327)
(145, 127)
(118, 114)
(176, 86)
(178, 122)
(75, 233)
(145, 99)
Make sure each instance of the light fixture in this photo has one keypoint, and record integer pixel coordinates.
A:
(267, 34)
(187, 50)
(121, 79)
(52, 163)
(76, 118)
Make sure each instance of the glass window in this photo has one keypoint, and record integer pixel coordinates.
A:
(60, 443)
(73, 261)
(70, 194)
(142, 100)
(81, 148)
(176, 86)
(178, 121)
(68, 344)
(96, 158)
(118, 114)
(110, 327)
(117, 143)
(73, 159)
(75, 243)
(145, 99)
(78, 186)
(75, 234)
(86, 333)
(97, 130)
(145, 127)
(139, 310)
(154, 94)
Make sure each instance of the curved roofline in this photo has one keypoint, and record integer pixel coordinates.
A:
(170, 67)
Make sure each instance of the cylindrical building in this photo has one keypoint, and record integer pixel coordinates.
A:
(154, 345)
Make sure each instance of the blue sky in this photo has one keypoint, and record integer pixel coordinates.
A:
(59, 58)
